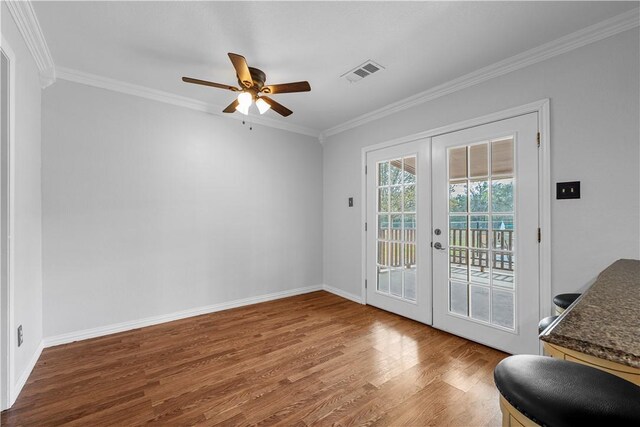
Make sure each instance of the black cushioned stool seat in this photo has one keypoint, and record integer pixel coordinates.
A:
(557, 393)
(565, 300)
(544, 323)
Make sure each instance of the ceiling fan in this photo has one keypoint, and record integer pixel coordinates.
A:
(252, 88)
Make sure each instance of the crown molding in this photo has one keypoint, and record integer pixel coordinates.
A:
(173, 99)
(27, 22)
(575, 40)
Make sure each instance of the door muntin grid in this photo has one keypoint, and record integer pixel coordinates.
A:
(481, 227)
(396, 208)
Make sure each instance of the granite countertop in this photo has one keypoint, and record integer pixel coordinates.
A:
(605, 321)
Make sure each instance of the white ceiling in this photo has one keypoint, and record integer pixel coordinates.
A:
(421, 44)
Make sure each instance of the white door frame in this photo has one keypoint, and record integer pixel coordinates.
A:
(7, 347)
(544, 197)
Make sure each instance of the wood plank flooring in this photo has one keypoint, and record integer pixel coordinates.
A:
(314, 359)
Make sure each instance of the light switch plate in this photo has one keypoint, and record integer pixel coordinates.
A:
(568, 190)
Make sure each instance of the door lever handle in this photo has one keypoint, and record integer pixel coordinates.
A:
(438, 245)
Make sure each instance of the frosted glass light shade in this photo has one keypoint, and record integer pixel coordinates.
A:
(245, 98)
(262, 105)
(244, 109)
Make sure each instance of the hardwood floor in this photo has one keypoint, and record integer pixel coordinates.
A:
(314, 359)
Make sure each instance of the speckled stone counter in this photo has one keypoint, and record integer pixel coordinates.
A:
(605, 321)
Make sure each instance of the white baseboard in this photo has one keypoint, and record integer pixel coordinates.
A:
(343, 294)
(22, 380)
(149, 321)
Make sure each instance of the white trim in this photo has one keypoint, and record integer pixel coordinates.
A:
(544, 215)
(170, 98)
(544, 173)
(588, 35)
(532, 107)
(9, 307)
(27, 22)
(363, 232)
(343, 294)
(163, 318)
(15, 392)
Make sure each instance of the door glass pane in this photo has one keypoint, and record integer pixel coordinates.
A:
(410, 228)
(503, 232)
(396, 227)
(458, 197)
(502, 195)
(383, 266)
(395, 254)
(479, 160)
(395, 172)
(383, 199)
(458, 268)
(481, 231)
(502, 312)
(479, 196)
(504, 277)
(409, 170)
(458, 302)
(397, 231)
(409, 255)
(396, 198)
(396, 282)
(480, 308)
(502, 156)
(410, 283)
(383, 279)
(409, 198)
(383, 174)
(458, 230)
(479, 266)
(383, 254)
(457, 163)
(383, 226)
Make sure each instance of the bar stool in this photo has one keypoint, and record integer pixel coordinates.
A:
(544, 323)
(563, 301)
(538, 390)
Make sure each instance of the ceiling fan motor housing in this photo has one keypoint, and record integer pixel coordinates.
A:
(258, 76)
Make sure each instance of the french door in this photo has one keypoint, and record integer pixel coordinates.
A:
(398, 227)
(485, 234)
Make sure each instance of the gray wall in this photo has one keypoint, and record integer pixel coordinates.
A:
(150, 209)
(594, 93)
(27, 204)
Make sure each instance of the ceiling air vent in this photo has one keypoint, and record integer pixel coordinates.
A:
(362, 71)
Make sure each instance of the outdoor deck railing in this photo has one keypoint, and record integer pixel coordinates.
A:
(390, 250)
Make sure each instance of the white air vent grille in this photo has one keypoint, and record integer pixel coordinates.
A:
(361, 71)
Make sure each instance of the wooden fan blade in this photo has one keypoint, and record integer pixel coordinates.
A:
(278, 108)
(242, 69)
(287, 87)
(231, 108)
(212, 84)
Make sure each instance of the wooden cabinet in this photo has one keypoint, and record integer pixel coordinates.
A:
(623, 371)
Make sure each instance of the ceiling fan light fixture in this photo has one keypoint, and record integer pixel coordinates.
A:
(251, 81)
(262, 105)
(244, 109)
(245, 99)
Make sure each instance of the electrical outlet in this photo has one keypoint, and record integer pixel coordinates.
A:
(20, 336)
(350, 202)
